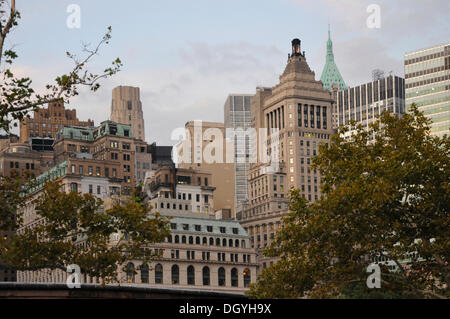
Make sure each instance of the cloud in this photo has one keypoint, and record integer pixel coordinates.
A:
(194, 87)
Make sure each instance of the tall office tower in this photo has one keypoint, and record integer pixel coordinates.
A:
(330, 73)
(365, 102)
(210, 138)
(427, 78)
(237, 116)
(126, 108)
(300, 107)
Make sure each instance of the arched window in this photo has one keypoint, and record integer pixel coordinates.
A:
(234, 277)
(211, 241)
(247, 277)
(177, 239)
(205, 276)
(243, 243)
(183, 240)
(169, 239)
(175, 275)
(191, 275)
(217, 241)
(158, 274)
(191, 240)
(236, 243)
(130, 272)
(230, 242)
(221, 276)
(224, 242)
(204, 241)
(144, 273)
(197, 240)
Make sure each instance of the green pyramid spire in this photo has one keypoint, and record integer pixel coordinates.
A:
(330, 73)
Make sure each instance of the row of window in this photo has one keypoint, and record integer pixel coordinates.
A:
(17, 165)
(190, 275)
(205, 241)
(209, 228)
(206, 255)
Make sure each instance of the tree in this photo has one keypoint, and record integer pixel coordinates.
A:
(385, 195)
(18, 97)
(72, 228)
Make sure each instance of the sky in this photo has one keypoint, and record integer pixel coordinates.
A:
(188, 55)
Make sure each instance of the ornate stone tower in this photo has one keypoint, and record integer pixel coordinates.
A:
(126, 108)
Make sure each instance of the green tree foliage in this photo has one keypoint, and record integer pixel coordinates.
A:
(73, 228)
(17, 95)
(385, 193)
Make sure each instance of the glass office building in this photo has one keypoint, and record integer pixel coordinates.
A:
(237, 115)
(365, 102)
(427, 81)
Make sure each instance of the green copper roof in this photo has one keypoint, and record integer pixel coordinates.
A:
(330, 73)
(92, 133)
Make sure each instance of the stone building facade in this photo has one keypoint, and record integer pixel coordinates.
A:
(126, 108)
(46, 122)
(301, 110)
(201, 136)
(107, 151)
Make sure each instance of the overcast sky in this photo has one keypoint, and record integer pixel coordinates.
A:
(188, 55)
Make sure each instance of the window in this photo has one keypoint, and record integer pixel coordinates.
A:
(90, 188)
(221, 276)
(98, 189)
(247, 277)
(209, 229)
(144, 274)
(130, 272)
(158, 274)
(72, 168)
(191, 275)
(206, 276)
(74, 187)
(90, 170)
(175, 275)
(185, 226)
(222, 230)
(234, 277)
(198, 227)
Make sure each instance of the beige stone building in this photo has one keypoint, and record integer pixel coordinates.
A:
(301, 109)
(222, 172)
(20, 159)
(126, 108)
(46, 122)
(202, 252)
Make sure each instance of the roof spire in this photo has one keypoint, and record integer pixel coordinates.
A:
(330, 73)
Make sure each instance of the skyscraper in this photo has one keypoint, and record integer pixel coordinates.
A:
(365, 102)
(427, 78)
(330, 73)
(300, 108)
(126, 108)
(237, 116)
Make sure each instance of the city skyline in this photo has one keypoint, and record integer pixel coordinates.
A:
(187, 58)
